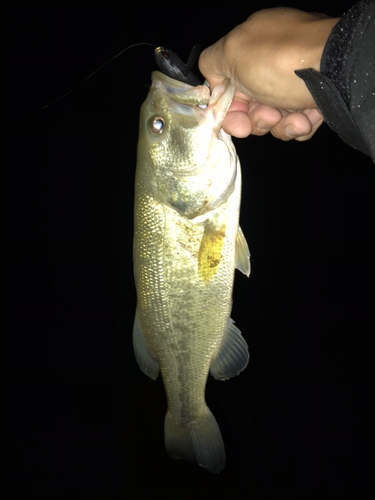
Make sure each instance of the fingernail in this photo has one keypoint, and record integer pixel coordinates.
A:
(290, 132)
(263, 126)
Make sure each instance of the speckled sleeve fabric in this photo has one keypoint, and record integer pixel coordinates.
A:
(344, 90)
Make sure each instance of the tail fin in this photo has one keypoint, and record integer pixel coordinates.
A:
(198, 441)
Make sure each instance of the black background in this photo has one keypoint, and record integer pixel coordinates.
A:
(82, 420)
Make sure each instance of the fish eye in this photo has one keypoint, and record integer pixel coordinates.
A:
(156, 125)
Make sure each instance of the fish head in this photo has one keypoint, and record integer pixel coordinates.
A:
(191, 161)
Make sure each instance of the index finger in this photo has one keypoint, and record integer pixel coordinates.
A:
(211, 64)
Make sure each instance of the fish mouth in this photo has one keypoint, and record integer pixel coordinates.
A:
(186, 93)
(197, 100)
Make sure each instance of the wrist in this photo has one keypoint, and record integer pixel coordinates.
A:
(297, 44)
(309, 41)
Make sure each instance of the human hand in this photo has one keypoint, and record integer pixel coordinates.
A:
(259, 57)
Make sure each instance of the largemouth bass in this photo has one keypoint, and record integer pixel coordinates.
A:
(187, 244)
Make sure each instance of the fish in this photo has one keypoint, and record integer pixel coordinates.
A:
(187, 244)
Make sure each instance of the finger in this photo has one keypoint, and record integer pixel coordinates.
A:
(316, 119)
(239, 96)
(291, 126)
(263, 118)
(239, 104)
(237, 123)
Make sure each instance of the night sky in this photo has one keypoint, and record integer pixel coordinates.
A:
(82, 420)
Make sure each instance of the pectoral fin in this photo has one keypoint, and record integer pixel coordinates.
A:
(233, 355)
(147, 363)
(242, 253)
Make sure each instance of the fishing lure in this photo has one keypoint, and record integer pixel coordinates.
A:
(171, 65)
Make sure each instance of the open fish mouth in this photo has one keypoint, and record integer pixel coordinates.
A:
(199, 100)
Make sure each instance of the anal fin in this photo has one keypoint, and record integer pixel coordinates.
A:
(233, 355)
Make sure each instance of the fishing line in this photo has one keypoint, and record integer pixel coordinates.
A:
(78, 85)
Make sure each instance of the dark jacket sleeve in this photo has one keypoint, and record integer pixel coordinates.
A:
(344, 90)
